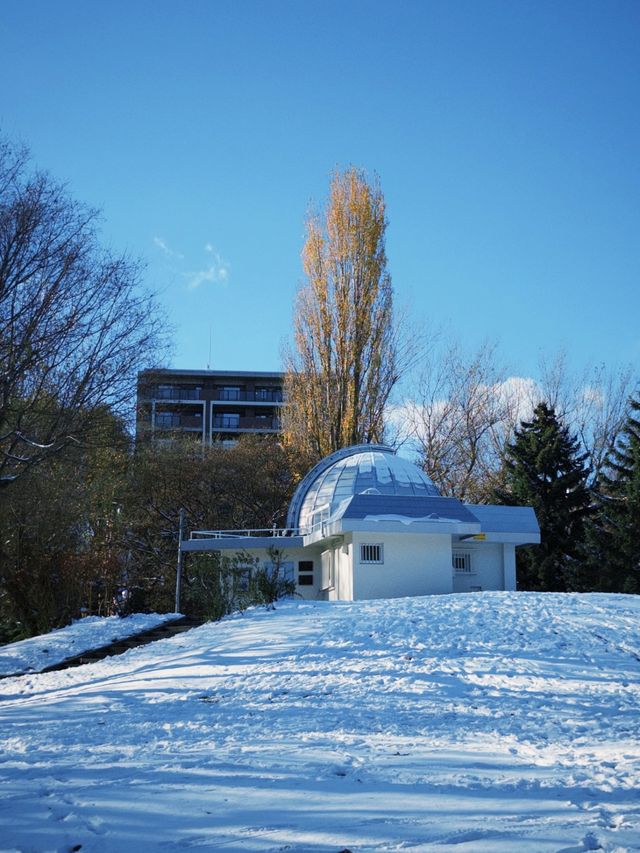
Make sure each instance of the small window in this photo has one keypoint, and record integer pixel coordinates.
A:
(166, 392)
(371, 554)
(227, 421)
(231, 392)
(305, 573)
(167, 419)
(462, 561)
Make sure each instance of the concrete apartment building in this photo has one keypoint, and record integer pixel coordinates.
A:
(210, 405)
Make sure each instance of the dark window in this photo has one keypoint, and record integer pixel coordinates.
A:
(178, 392)
(305, 573)
(227, 421)
(167, 419)
(231, 392)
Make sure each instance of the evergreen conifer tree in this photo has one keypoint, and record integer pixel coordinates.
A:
(544, 469)
(614, 553)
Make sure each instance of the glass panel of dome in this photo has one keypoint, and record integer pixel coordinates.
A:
(387, 488)
(365, 482)
(365, 462)
(325, 494)
(330, 477)
(311, 494)
(402, 477)
(343, 490)
(383, 471)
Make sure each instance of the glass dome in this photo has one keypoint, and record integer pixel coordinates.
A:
(362, 469)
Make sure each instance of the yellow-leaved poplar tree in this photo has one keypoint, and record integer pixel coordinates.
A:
(344, 362)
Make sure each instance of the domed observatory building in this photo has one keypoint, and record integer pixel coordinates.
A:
(365, 523)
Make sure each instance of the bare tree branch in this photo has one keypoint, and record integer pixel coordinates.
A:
(74, 324)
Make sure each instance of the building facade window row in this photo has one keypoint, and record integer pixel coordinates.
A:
(208, 405)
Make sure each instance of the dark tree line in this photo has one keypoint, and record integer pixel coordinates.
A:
(589, 532)
(75, 326)
(613, 540)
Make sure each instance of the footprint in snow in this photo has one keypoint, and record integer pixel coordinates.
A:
(589, 842)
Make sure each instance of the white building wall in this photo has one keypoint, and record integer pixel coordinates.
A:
(337, 573)
(294, 555)
(487, 569)
(509, 562)
(414, 564)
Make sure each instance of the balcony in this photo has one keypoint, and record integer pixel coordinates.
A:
(170, 392)
(235, 423)
(236, 395)
(171, 420)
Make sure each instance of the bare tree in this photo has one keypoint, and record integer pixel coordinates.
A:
(347, 353)
(467, 408)
(74, 325)
(463, 418)
(592, 403)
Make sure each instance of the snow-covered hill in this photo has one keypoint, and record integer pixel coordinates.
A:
(498, 722)
(92, 632)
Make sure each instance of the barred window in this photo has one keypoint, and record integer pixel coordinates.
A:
(462, 561)
(370, 553)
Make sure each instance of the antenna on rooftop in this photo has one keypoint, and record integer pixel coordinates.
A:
(209, 359)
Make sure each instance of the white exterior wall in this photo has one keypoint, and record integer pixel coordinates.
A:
(487, 567)
(311, 593)
(294, 555)
(337, 576)
(509, 562)
(414, 564)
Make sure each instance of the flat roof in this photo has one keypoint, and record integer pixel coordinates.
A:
(241, 543)
(410, 506)
(506, 519)
(248, 374)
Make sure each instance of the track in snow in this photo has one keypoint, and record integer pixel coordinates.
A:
(485, 722)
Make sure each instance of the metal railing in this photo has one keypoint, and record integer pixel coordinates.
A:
(319, 518)
(167, 393)
(270, 532)
(234, 396)
(230, 422)
(173, 421)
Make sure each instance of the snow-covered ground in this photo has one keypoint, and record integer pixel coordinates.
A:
(497, 722)
(37, 653)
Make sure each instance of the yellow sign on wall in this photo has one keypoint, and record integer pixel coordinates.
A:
(480, 536)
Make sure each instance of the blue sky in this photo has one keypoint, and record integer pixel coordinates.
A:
(505, 135)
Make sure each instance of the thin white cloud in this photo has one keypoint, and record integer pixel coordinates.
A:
(215, 272)
(165, 249)
(519, 395)
(592, 395)
(514, 401)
